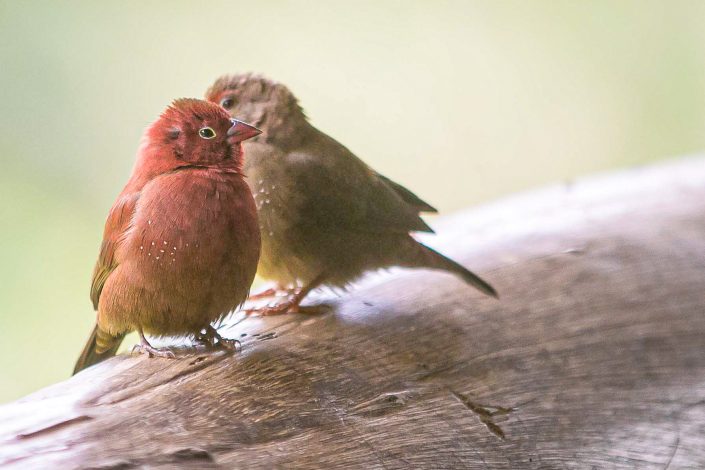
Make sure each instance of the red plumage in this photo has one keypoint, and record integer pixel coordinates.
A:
(181, 243)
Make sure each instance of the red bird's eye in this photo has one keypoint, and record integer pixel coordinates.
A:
(228, 102)
(206, 133)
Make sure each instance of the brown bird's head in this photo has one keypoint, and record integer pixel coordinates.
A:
(267, 104)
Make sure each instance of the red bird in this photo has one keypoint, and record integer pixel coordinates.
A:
(181, 243)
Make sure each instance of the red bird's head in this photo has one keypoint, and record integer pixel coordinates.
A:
(199, 133)
(190, 133)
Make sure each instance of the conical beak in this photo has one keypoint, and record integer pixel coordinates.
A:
(240, 131)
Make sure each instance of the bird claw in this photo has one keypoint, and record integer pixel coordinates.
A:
(152, 351)
(211, 338)
(230, 344)
(204, 340)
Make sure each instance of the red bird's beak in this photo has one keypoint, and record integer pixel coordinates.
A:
(240, 131)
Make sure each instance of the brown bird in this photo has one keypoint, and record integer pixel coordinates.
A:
(181, 242)
(325, 216)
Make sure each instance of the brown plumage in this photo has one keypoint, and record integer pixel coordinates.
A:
(181, 243)
(325, 216)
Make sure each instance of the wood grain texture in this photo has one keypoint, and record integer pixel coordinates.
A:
(594, 357)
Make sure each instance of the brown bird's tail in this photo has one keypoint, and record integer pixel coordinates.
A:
(100, 346)
(429, 258)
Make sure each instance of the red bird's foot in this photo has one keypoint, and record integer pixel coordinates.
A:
(151, 351)
(230, 344)
(145, 348)
(211, 338)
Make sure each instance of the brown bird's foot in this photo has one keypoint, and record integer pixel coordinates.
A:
(145, 348)
(267, 293)
(211, 338)
(279, 309)
(276, 291)
(288, 306)
(292, 303)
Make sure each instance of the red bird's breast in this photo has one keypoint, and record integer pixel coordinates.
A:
(190, 254)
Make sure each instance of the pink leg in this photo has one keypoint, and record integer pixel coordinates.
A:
(145, 348)
(276, 291)
(292, 303)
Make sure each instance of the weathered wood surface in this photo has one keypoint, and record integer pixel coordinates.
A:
(595, 356)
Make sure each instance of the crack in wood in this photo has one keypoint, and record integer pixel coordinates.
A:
(484, 413)
(54, 427)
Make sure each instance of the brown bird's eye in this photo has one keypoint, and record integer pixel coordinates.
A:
(228, 102)
(206, 133)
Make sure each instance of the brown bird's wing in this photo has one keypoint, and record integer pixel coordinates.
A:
(340, 191)
(115, 228)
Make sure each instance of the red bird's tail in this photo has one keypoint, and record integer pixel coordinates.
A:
(100, 346)
(429, 258)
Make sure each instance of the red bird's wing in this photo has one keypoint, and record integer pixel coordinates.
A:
(116, 226)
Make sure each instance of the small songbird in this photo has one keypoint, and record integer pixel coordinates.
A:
(181, 242)
(325, 216)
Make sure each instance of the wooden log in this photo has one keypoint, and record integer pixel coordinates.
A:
(594, 357)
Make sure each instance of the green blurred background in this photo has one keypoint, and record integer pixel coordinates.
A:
(461, 101)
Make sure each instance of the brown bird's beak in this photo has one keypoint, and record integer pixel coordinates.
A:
(240, 131)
